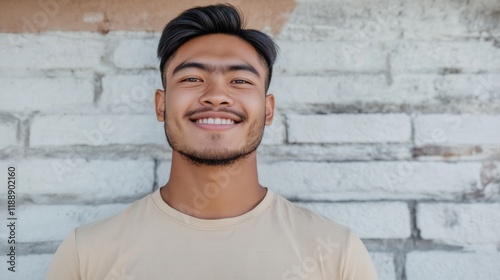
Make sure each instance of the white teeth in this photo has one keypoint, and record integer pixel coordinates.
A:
(215, 121)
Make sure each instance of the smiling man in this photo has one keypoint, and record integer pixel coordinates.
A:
(212, 219)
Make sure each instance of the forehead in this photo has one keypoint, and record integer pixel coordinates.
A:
(217, 49)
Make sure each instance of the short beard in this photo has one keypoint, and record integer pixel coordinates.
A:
(224, 158)
(209, 158)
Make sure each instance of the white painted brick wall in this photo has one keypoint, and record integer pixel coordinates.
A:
(74, 179)
(452, 265)
(344, 21)
(136, 53)
(357, 152)
(432, 88)
(131, 93)
(96, 130)
(414, 89)
(464, 129)
(163, 172)
(8, 132)
(53, 50)
(460, 223)
(448, 20)
(372, 180)
(275, 133)
(349, 128)
(307, 57)
(31, 267)
(481, 87)
(46, 94)
(369, 220)
(298, 90)
(433, 56)
(384, 264)
(58, 220)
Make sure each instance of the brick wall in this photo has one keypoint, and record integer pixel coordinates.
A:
(388, 121)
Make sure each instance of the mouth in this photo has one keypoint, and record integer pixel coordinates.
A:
(215, 121)
(219, 118)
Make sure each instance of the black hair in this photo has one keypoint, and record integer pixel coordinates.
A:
(213, 19)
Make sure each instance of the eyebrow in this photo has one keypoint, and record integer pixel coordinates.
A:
(212, 68)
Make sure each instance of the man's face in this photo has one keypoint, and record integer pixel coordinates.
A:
(214, 105)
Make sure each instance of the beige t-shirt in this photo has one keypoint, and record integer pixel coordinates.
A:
(151, 240)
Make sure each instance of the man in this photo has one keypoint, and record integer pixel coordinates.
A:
(212, 219)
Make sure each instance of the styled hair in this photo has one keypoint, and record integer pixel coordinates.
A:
(213, 19)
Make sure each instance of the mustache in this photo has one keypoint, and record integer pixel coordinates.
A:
(240, 115)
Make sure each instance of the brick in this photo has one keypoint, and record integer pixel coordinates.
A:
(384, 264)
(61, 218)
(133, 93)
(447, 20)
(340, 89)
(482, 87)
(275, 134)
(438, 265)
(31, 267)
(96, 130)
(437, 56)
(362, 21)
(369, 220)
(8, 130)
(163, 172)
(349, 128)
(51, 94)
(335, 152)
(427, 88)
(75, 179)
(412, 89)
(461, 129)
(490, 179)
(74, 50)
(370, 180)
(136, 53)
(318, 57)
(459, 223)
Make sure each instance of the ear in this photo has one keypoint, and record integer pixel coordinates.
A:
(160, 105)
(269, 109)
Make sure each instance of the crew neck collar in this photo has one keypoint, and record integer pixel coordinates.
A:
(212, 224)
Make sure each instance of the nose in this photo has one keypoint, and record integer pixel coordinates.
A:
(216, 95)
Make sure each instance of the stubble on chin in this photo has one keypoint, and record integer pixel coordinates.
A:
(218, 155)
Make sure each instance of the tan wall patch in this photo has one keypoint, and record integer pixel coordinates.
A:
(31, 16)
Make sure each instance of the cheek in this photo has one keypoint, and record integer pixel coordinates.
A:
(176, 105)
(254, 107)
(177, 101)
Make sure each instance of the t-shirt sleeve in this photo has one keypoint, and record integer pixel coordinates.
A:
(65, 263)
(357, 264)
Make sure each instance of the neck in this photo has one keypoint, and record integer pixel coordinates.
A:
(213, 192)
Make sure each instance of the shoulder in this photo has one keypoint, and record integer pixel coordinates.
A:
(329, 240)
(110, 226)
(306, 221)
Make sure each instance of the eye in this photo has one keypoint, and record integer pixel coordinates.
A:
(192, 80)
(240, 81)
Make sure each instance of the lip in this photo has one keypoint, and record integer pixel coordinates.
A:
(217, 127)
(215, 115)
